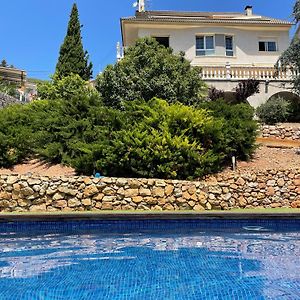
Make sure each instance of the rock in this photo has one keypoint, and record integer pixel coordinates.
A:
(169, 190)
(295, 204)
(38, 208)
(86, 202)
(270, 191)
(58, 196)
(168, 206)
(98, 197)
(131, 193)
(208, 206)
(137, 199)
(33, 181)
(51, 191)
(297, 182)
(280, 182)
(110, 199)
(23, 202)
(87, 181)
(240, 181)
(186, 195)
(60, 204)
(145, 192)
(12, 179)
(107, 206)
(73, 202)
(271, 183)
(90, 191)
(242, 202)
(5, 196)
(4, 204)
(198, 207)
(108, 191)
(27, 191)
(150, 200)
(192, 190)
(158, 192)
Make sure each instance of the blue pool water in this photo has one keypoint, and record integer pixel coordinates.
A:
(212, 259)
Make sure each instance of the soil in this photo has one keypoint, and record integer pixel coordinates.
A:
(266, 158)
(37, 167)
(269, 155)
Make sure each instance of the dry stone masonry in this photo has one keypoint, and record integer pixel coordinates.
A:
(6, 100)
(19, 193)
(281, 131)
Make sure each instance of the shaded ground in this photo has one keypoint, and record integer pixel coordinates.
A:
(39, 168)
(271, 154)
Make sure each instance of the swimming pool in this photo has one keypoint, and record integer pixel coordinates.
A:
(150, 259)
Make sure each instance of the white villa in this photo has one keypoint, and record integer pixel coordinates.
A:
(228, 47)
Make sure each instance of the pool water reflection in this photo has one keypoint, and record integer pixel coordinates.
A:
(195, 263)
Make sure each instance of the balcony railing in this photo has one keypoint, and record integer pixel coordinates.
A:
(13, 75)
(240, 73)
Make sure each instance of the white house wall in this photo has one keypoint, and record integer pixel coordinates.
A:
(245, 43)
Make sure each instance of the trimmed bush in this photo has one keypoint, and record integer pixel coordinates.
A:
(146, 139)
(274, 111)
(239, 128)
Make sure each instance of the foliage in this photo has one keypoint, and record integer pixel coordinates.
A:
(274, 111)
(146, 139)
(296, 11)
(150, 70)
(215, 94)
(3, 63)
(65, 88)
(9, 88)
(246, 89)
(291, 57)
(239, 128)
(72, 57)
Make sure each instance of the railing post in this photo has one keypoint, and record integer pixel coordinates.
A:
(228, 71)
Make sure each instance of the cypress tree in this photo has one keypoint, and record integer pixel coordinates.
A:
(72, 57)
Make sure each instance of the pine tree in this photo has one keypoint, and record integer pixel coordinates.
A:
(72, 57)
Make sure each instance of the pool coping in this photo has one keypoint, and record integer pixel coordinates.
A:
(144, 216)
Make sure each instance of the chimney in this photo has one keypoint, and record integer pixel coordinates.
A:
(249, 10)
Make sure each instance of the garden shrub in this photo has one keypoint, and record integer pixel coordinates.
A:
(274, 111)
(239, 127)
(145, 139)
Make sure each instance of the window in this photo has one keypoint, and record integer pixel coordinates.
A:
(163, 40)
(229, 45)
(205, 45)
(268, 46)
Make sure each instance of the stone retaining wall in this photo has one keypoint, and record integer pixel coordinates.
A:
(281, 131)
(226, 191)
(6, 100)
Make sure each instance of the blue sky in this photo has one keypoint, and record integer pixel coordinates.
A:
(33, 30)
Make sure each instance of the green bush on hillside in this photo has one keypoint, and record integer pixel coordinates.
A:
(239, 128)
(274, 111)
(146, 139)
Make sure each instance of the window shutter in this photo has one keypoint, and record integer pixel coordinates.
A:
(220, 44)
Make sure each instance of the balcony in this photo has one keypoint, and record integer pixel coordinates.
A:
(13, 75)
(241, 73)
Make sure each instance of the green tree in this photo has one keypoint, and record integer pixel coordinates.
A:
(72, 57)
(150, 70)
(3, 63)
(291, 57)
(64, 88)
